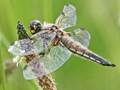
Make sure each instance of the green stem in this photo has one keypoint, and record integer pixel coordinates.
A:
(1, 65)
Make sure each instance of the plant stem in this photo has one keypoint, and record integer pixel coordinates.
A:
(1, 65)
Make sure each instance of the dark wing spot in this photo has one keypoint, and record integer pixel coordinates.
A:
(12, 43)
(67, 4)
(82, 28)
(25, 67)
(63, 14)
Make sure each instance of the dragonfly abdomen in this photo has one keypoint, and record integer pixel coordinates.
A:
(80, 50)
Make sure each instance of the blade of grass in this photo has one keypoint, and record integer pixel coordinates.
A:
(1, 65)
(4, 40)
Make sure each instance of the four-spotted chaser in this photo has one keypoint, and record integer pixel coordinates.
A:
(54, 44)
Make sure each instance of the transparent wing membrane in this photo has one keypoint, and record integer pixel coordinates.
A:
(23, 47)
(56, 58)
(81, 36)
(35, 68)
(40, 66)
(31, 45)
(68, 17)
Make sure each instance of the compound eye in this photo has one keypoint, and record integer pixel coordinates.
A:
(35, 26)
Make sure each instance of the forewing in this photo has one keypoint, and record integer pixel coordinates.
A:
(81, 36)
(40, 66)
(68, 17)
(31, 45)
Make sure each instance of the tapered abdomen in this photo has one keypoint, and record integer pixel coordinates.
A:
(80, 50)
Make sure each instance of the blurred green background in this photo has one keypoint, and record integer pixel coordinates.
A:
(101, 18)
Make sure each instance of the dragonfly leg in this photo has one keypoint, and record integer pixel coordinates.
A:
(48, 48)
(57, 43)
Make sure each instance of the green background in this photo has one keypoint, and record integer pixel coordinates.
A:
(101, 18)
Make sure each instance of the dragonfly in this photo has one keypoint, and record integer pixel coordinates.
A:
(54, 45)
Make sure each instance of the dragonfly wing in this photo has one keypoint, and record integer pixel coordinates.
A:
(68, 17)
(35, 68)
(81, 36)
(31, 45)
(40, 66)
(22, 47)
(56, 58)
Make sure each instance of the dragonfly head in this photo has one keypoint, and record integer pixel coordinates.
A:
(35, 26)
